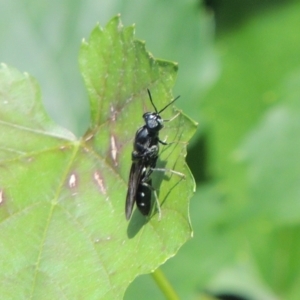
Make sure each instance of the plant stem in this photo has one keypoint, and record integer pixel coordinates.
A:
(164, 285)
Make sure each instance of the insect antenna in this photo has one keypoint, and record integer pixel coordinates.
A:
(168, 104)
(158, 112)
(152, 100)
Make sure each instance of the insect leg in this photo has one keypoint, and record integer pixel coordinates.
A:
(147, 153)
(173, 118)
(157, 202)
(170, 171)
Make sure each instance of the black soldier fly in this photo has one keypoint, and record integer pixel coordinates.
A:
(144, 158)
(143, 195)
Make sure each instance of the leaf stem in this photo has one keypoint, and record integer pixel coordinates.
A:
(164, 285)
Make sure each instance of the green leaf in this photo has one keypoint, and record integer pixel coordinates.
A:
(51, 37)
(183, 31)
(271, 152)
(63, 232)
(254, 68)
(253, 153)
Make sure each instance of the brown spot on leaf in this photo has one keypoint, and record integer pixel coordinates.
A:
(113, 113)
(113, 149)
(72, 180)
(89, 137)
(100, 182)
(1, 197)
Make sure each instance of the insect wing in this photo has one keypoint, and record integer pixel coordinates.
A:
(133, 183)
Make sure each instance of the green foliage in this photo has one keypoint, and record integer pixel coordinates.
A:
(246, 216)
(245, 213)
(253, 116)
(177, 30)
(62, 224)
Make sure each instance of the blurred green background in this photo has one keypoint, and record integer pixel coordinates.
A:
(239, 77)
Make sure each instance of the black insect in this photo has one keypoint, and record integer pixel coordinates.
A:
(143, 195)
(144, 158)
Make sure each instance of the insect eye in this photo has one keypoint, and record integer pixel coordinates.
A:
(146, 115)
(152, 123)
